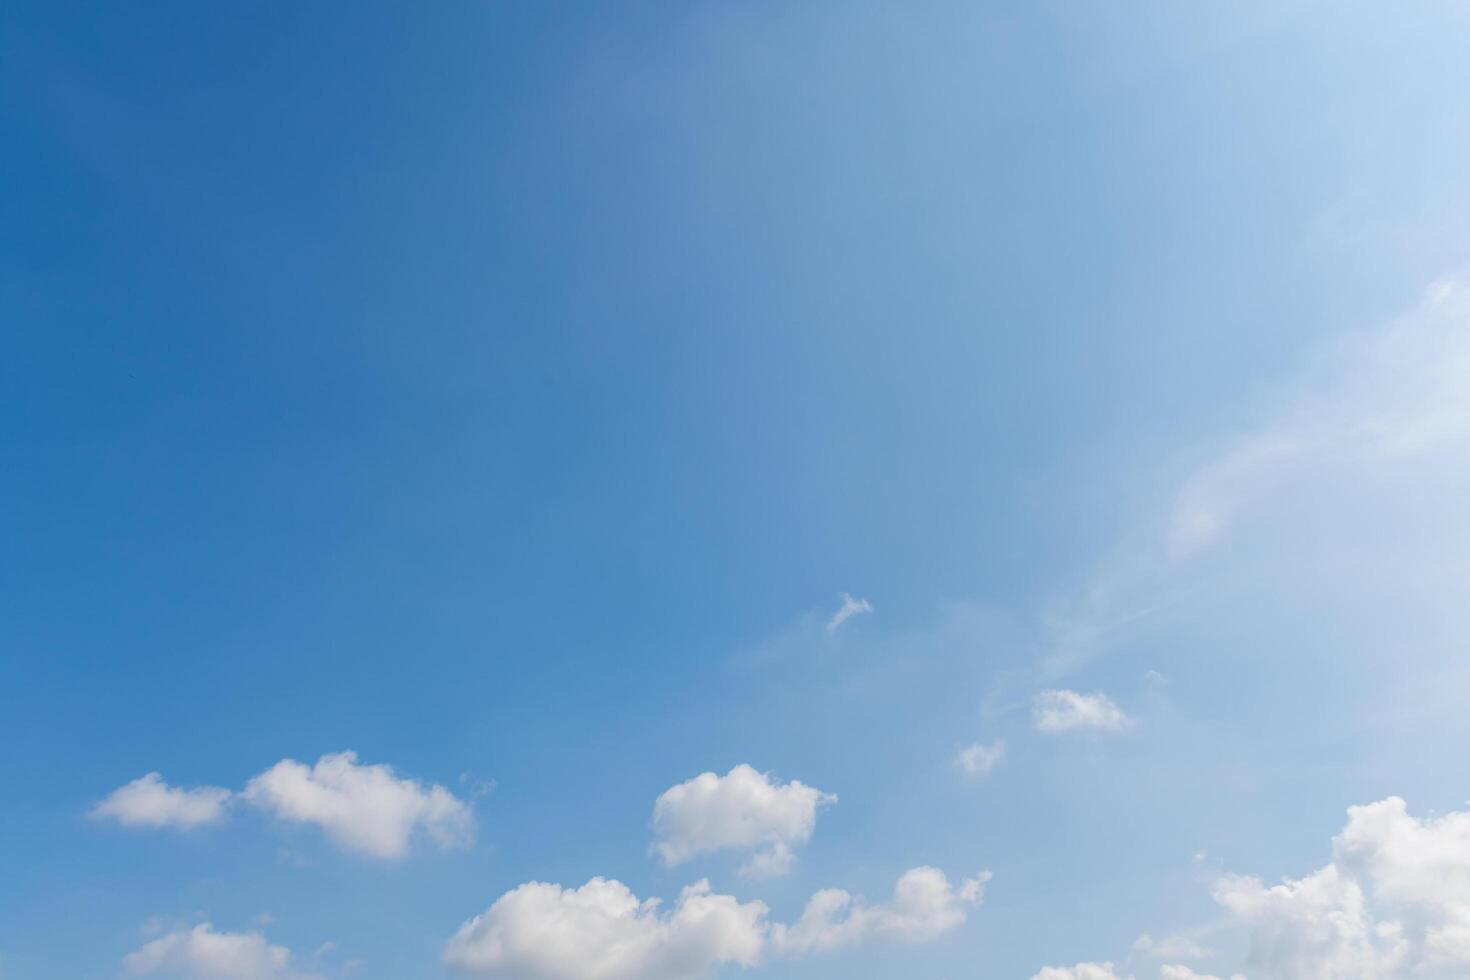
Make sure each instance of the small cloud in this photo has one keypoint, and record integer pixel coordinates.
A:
(1082, 971)
(850, 607)
(150, 802)
(365, 808)
(924, 905)
(1061, 711)
(205, 953)
(979, 759)
(743, 810)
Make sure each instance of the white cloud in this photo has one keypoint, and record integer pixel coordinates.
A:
(742, 810)
(850, 607)
(601, 931)
(1178, 972)
(364, 808)
(1394, 901)
(979, 758)
(201, 953)
(924, 905)
(1392, 904)
(150, 802)
(1082, 971)
(1059, 711)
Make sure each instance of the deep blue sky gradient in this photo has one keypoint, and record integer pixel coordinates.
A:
(490, 389)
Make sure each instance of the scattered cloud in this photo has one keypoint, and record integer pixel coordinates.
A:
(1178, 972)
(1082, 971)
(979, 759)
(1393, 903)
(850, 607)
(924, 905)
(1059, 711)
(364, 808)
(602, 931)
(201, 953)
(742, 810)
(150, 802)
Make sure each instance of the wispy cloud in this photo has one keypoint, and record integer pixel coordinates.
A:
(1372, 404)
(979, 759)
(850, 607)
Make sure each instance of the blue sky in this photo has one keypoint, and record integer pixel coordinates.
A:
(513, 396)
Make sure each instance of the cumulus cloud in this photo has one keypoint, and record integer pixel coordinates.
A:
(850, 607)
(979, 758)
(601, 931)
(1059, 711)
(201, 953)
(150, 802)
(742, 810)
(1394, 901)
(363, 808)
(924, 905)
(1082, 971)
(1178, 972)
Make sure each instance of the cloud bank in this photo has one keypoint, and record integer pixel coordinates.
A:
(602, 931)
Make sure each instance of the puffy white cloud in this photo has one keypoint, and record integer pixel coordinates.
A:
(1082, 971)
(601, 931)
(1312, 928)
(1177, 972)
(923, 906)
(850, 607)
(150, 802)
(1394, 901)
(201, 953)
(364, 808)
(979, 758)
(742, 810)
(1059, 711)
(1419, 873)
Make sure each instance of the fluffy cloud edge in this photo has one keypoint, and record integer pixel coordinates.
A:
(542, 931)
(744, 810)
(149, 801)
